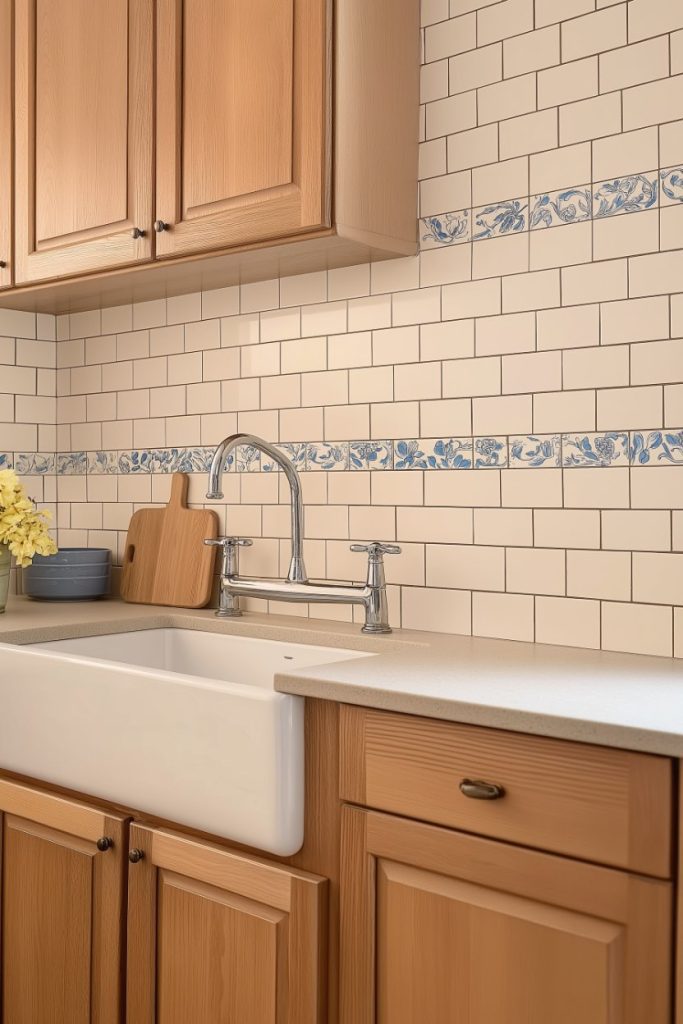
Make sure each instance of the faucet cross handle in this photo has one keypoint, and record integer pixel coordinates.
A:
(228, 542)
(228, 606)
(376, 550)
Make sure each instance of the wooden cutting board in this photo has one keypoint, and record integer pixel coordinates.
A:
(166, 560)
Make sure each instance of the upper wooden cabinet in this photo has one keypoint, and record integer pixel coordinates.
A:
(5, 143)
(242, 96)
(62, 909)
(268, 137)
(83, 136)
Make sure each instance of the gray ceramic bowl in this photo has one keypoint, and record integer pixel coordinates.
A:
(73, 574)
(67, 572)
(75, 556)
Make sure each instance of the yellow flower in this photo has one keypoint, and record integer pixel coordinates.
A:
(23, 527)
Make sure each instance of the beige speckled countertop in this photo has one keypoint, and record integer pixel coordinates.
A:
(619, 700)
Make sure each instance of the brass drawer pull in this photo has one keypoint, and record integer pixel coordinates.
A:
(475, 789)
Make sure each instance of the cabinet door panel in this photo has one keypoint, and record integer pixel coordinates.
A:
(213, 975)
(217, 936)
(437, 925)
(83, 135)
(62, 910)
(242, 152)
(47, 914)
(6, 91)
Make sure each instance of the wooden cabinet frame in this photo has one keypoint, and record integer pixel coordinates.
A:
(75, 826)
(642, 904)
(6, 146)
(300, 896)
(100, 247)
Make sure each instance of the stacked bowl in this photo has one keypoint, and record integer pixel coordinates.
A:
(73, 574)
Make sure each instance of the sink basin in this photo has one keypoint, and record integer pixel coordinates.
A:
(176, 723)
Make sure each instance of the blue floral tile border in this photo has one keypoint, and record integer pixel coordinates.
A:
(498, 219)
(519, 451)
(533, 451)
(629, 194)
(569, 206)
(671, 180)
(447, 228)
(595, 449)
(653, 447)
(625, 195)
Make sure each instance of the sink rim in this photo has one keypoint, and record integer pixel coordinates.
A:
(186, 679)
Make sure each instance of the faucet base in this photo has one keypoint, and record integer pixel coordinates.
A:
(229, 613)
(376, 629)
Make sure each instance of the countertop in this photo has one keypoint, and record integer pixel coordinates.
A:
(619, 700)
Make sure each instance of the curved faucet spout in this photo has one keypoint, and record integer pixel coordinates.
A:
(297, 569)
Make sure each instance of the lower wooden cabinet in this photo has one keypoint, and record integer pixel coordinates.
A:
(440, 926)
(214, 936)
(62, 909)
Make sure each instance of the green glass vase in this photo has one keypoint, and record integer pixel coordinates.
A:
(4, 576)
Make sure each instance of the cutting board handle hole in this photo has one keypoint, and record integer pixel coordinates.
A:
(130, 553)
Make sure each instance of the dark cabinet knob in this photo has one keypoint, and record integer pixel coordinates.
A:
(161, 225)
(105, 843)
(3, 264)
(135, 856)
(138, 233)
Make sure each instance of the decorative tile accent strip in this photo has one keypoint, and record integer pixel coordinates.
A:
(490, 452)
(500, 219)
(33, 463)
(672, 185)
(329, 457)
(447, 228)
(371, 455)
(72, 463)
(595, 449)
(100, 463)
(6, 460)
(630, 194)
(567, 207)
(296, 453)
(409, 455)
(656, 446)
(625, 195)
(530, 451)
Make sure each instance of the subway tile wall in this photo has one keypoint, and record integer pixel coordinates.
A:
(28, 403)
(508, 405)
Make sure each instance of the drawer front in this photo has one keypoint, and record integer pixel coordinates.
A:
(598, 804)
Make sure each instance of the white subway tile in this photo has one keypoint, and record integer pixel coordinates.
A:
(634, 320)
(504, 616)
(596, 488)
(629, 408)
(465, 567)
(430, 609)
(637, 629)
(503, 526)
(567, 528)
(568, 622)
(636, 530)
(564, 411)
(599, 574)
(531, 488)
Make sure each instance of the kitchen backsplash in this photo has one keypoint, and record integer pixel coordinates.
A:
(508, 406)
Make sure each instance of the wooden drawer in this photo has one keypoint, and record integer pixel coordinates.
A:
(595, 803)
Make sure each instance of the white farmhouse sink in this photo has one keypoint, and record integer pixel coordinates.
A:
(177, 723)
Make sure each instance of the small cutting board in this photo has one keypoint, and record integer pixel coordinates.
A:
(166, 560)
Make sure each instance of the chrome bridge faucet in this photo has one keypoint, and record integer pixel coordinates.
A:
(372, 594)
